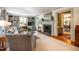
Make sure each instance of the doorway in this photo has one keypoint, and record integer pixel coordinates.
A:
(64, 26)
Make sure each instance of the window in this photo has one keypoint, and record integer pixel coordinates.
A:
(23, 21)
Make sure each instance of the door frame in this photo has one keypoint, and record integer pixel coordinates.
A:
(56, 20)
(59, 24)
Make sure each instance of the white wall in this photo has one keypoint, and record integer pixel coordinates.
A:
(75, 21)
(54, 27)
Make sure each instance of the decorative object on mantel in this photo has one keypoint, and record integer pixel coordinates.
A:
(42, 19)
(33, 18)
(47, 19)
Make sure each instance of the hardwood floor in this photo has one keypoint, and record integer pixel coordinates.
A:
(65, 38)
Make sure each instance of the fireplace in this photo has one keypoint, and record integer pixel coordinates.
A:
(47, 29)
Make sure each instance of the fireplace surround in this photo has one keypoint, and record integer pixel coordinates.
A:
(47, 29)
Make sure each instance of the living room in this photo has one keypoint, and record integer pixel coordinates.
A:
(32, 22)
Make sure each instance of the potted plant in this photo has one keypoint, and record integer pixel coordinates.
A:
(29, 29)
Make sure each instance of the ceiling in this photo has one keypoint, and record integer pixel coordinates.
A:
(29, 11)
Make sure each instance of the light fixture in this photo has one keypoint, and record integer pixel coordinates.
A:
(7, 23)
(2, 23)
(40, 25)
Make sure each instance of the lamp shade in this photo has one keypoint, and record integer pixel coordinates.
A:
(2, 23)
